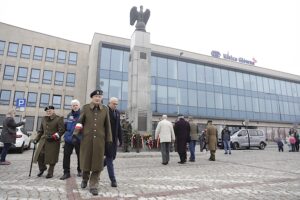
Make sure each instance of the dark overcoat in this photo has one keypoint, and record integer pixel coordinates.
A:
(96, 131)
(8, 134)
(116, 131)
(49, 125)
(182, 134)
(211, 138)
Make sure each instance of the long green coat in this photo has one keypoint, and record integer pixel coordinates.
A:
(211, 138)
(96, 131)
(49, 126)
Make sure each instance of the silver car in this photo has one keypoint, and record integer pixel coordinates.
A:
(248, 137)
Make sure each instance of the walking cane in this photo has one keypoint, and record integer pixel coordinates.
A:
(32, 160)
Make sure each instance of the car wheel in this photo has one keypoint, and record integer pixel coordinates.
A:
(262, 146)
(21, 149)
(235, 146)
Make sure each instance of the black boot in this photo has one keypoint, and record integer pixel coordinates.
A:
(65, 176)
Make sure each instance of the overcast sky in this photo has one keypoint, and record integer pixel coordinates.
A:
(267, 30)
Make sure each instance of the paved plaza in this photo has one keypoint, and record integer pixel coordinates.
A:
(246, 174)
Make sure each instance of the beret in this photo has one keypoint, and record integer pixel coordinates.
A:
(49, 107)
(96, 92)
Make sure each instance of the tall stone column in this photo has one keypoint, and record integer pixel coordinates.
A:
(139, 82)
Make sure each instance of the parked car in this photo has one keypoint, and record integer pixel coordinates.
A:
(243, 137)
(22, 141)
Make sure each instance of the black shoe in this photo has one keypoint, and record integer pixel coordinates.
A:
(41, 173)
(65, 176)
(114, 184)
(83, 184)
(164, 163)
(211, 159)
(94, 191)
(79, 174)
(181, 162)
(49, 175)
(192, 160)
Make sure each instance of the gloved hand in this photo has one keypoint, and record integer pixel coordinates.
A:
(78, 126)
(55, 136)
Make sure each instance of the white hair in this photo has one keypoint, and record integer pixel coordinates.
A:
(75, 101)
(113, 99)
(164, 117)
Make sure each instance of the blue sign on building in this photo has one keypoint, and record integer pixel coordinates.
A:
(21, 103)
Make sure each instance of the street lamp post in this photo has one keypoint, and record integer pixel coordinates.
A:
(177, 101)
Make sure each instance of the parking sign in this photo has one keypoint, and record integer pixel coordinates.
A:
(21, 103)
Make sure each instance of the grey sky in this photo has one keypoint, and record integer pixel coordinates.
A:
(267, 30)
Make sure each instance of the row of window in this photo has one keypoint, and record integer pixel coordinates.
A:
(38, 53)
(32, 99)
(34, 77)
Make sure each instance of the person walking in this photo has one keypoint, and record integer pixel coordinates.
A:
(95, 122)
(48, 139)
(211, 139)
(116, 130)
(182, 134)
(165, 132)
(226, 140)
(194, 137)
(71, 142)
(8, 135)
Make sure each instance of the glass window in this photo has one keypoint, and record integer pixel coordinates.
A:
(31, 99)
(162, 94)
(116, 60)
(225, 77)
(70, 80)
(298, 89)
(226, 101)
(182, 100)
(232, 79)
(115, 88)
(18, 95)
(12, 49)
(105, 58)
(242, 105)
(67, 102)
(182, 71)
(104, 83)
(283, 88)
(5, 97)
(272, 86)
(234, 102)
(262, 105)
(218, 101)
(172, 69)
(162, 67)
(9, 72)
(125, 61)
(288, 88)
(191, 72)
(210, 100)
(255, 104)
(248, 101)
(35, 75)
(202, 99)
(247, 82)
(56, 101)
(153, 66)
(47, 77)
(275, 106)
(61, 56)
(29, 123)
(38, 53)
(124, 90)
(217, 76)
(253, 83)
(2, 47)
(44, 100)
(59, 78)
(209, 75)
(268, 106)
(294, 89)
(239, 80)
(291, 108)
(39, 121)
(260, 85)
(22, 74)
(192, 98)
(172, 95)
(266, 85)
(25, 51)
(286, 110)
(200, 74)
(153, 95)
(277, 87)
(50, 55)
(72, 58)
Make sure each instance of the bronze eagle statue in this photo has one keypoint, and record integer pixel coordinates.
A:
(141, 18)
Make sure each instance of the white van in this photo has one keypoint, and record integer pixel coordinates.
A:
(241, 138)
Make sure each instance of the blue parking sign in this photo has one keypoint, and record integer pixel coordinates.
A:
(21, 103)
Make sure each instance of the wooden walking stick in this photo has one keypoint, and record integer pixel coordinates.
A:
(32, 160)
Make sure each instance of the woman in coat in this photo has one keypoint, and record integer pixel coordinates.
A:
(8, 135)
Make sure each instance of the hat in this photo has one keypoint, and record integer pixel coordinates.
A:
(49, 107)
(96, 92)
(209, 121)
(180, 115)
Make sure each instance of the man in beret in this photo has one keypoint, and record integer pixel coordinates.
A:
(49, 134)
(211, 139)
(94, 121)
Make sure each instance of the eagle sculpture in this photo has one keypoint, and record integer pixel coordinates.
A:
(141, 18)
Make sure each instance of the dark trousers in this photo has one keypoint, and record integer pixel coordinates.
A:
(192, 146)
(297, 146)
(280, 148)
(182, 156)
(165, 151)
(68, 150)
(4, 151)
(108, 162)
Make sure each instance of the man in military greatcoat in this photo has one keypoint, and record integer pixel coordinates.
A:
(95, 122)
(211, 139)
(182, 134)
(48, 138)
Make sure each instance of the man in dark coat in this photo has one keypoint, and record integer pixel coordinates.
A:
(51, 129)
(226, 140)
(70, 141)
(182, 134)
(95, 122)
(8, 135)
(116, 130)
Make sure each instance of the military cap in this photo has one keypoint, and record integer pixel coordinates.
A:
(96, 92)
(49, 107)
(209, 121)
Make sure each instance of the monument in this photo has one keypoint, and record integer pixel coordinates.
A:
(139, 73)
